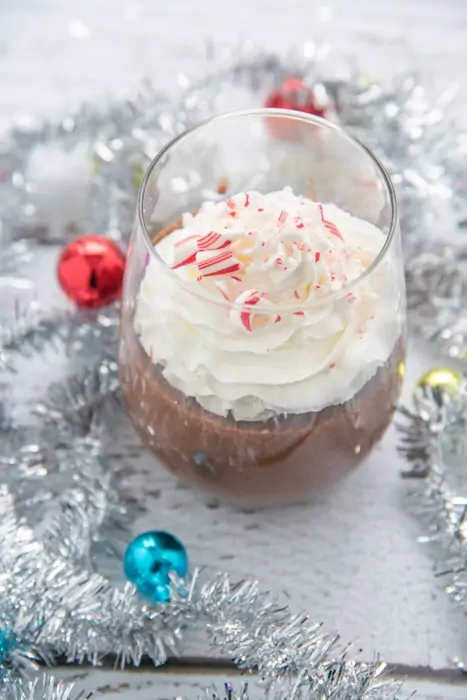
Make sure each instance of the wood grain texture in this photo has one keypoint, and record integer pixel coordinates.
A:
(350, 558)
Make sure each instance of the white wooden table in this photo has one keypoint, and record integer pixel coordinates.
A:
(350, 557)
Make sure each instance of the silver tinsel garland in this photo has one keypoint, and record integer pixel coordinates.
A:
(57, 604)
(41, 687)
(63, 494)
(54, 608)
(432, 434)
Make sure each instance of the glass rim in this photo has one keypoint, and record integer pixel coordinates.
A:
(295, 116)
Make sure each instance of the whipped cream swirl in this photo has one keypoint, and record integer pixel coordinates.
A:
(251, 331)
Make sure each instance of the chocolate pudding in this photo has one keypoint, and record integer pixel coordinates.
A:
(277, 461)
(250, 364)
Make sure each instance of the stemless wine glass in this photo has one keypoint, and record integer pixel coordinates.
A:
(270, 414)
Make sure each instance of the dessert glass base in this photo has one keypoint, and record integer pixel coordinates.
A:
(265, 463)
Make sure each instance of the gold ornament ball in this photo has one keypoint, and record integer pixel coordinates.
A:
(441, 379)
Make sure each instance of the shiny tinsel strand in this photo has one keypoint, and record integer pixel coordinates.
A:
(296, 660)
(76, 404)
(80, 498)
(229, 693)
(27, 332)
(437, 294)
(130, 127)
(436, 424)
(42, 687)
(82, 413)
(52, 606)
(242, 692)
(56, 606)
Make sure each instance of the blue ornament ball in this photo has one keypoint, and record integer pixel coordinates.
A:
(7, 642)
(148, 561)
(3, 646)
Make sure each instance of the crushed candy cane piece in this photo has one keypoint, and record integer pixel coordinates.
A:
(332, 228)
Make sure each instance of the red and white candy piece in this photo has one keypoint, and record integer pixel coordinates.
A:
(222, 263)
(329, 225)
(282, 218)
(245, 316)
(185, 252)
(187, 249)
(213, 241)
(242, 318)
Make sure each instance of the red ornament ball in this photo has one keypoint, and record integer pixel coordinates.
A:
(90, 271)
(295, 94)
